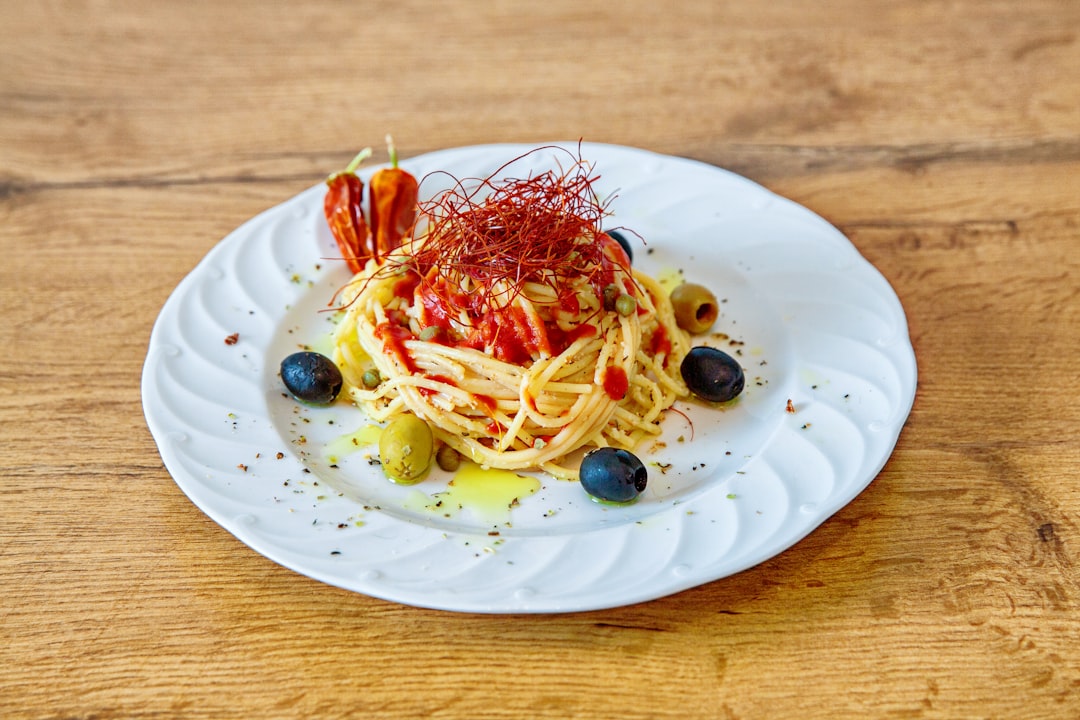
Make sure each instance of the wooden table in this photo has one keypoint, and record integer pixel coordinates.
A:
(943, 138)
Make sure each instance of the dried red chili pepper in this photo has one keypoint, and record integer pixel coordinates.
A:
(345, 215)
(393, 195)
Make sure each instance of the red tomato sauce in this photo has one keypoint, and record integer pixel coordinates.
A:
(616, 383)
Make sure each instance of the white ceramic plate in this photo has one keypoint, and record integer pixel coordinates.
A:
(810, 320)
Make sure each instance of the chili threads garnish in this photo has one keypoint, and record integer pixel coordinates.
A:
(492, 237)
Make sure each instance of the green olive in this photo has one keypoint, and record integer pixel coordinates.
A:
(406, 446)
(695, 307)
(371, 379)
(448, 458)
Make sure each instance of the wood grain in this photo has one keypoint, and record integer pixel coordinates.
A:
(942, 137)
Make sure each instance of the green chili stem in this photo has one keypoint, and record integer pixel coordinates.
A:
(360, 157)
(392, 150)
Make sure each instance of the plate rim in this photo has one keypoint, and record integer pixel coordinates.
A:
(188, 485)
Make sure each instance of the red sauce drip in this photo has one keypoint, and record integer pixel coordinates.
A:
(581, 331)
(505, 341)
(562, 339)
(428, 392)
(616, 383)
(405, 287)
(660, 342)
(533, 330)
(512, 335)
(487, 402)
(394, 337)
(433, 311)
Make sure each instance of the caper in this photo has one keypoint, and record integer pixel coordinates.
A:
(448, 458)
(431, 333)
(625, 305)
(406, 446)
(611, 294)
(371, 379)
(695, 307)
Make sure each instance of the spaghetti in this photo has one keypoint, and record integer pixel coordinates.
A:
(514, 326)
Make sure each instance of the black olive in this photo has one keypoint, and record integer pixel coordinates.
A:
(712, 374)
(613, 474)
(311, 377)
(621, 239)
